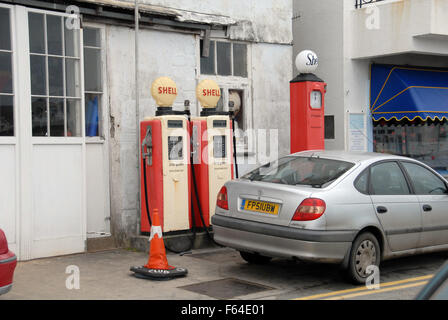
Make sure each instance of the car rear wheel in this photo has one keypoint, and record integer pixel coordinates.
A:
(254, 258)
(365, 252)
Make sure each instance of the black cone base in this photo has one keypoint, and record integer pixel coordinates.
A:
(157, 274)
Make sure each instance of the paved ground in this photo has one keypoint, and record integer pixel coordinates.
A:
(213, 274)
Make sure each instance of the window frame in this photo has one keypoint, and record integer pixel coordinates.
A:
(7, 140)
(232, 60)
(369, 183)
(410, 186)
(102, 116)
(57, 139)
(227, 83)
(408, 177)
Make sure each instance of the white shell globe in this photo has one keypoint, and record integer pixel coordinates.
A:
(307, 61)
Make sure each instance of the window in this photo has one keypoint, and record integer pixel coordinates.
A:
(227, 64)
(388, 179)
(225, 59)
(6, 76)
(362, 182)
(314, 172)
(426, 141)
(55, 77)
(424, 181)
(240, 60)
(93, 81)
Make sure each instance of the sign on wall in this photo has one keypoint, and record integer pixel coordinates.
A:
(357, 138)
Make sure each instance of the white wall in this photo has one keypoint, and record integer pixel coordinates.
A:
(161, 53)
(8, 191)
(318, 26)
(409, 32)
(174, 54)
(120, 63)
(262, 21)
(406, 32)
(400, 26)
(271, 73)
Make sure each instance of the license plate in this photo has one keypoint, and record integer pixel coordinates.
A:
(260, 206)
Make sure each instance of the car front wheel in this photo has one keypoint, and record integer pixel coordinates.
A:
(365, 253)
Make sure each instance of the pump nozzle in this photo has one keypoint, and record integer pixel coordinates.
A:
(187, 108)
(232, 109)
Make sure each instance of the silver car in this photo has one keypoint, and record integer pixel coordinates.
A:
(353, 209)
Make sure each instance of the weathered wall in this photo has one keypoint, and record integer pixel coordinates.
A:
(398, 27)
(272, 72)
(173, 54)
(161, 53)
(259, 21)
(123, 158)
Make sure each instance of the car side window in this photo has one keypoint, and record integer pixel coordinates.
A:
(425, 182)
(388, 179)
(362, 182)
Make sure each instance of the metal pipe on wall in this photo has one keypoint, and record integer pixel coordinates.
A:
(137, 97)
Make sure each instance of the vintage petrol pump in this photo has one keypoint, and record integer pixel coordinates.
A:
(165, 156)
(307, 105)
(211, 135)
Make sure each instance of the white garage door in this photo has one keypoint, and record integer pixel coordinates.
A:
(44, 153)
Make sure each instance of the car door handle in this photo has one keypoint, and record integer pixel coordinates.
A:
(381, 209)
(427, 208)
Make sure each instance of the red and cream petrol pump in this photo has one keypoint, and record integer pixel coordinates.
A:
(211, 135)
(307, 105)
(165, 155)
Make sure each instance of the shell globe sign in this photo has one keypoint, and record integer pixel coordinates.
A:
(164, 91)
(307, 61)
(208, 93)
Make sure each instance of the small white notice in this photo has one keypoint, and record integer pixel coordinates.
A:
(357, 132)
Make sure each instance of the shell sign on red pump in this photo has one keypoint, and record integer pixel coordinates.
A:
(165, 154)
(212, 149)
(307, 105)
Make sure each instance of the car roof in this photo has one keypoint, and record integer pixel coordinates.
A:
(350, 156)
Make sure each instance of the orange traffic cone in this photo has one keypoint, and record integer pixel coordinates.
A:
(157, 267)
(157, 254)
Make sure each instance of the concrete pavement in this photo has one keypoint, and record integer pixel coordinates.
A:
(215, 273)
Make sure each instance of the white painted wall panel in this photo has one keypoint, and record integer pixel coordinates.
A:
(97, 189)
(58, 213)
(8, 197)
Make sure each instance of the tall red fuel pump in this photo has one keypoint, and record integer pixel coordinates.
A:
(212, 149)
(307, 105)
(165, 156)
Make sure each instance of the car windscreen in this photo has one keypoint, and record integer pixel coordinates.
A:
(309, 171)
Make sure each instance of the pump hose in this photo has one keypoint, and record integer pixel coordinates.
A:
(146, 191)
(201, 215)
(196, 187)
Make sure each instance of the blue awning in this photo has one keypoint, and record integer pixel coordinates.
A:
(399, 92)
